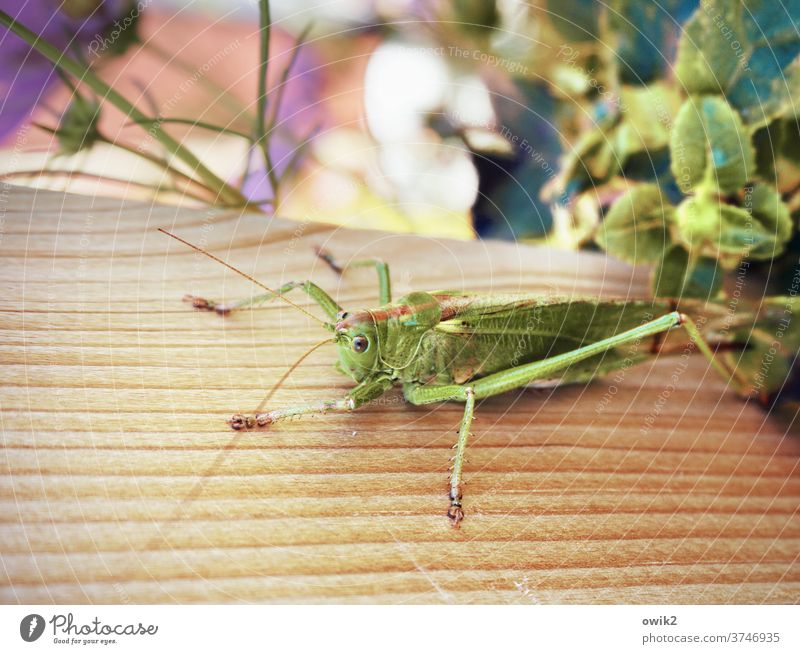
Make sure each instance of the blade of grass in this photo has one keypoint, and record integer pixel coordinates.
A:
(194, 123)
(227, 193)
(265, 22)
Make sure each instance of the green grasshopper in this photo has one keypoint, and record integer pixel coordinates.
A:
(452, 346)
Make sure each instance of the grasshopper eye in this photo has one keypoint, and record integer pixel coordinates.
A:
(360, 344)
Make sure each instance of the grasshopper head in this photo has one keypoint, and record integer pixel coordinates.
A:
(357, 340)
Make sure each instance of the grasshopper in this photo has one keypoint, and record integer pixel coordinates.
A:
(454, 346)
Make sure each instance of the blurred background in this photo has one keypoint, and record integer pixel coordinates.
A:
(488, 118)
(408, 115)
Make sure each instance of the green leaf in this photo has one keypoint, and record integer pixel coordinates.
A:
(603, 151)
(772, 222)
(592, 156)
(710, 147)
(677, 276)
(647, 116)
(714, 229)
(635, 228)
(706, 62)
(769, 81)
(759, 229)
(746, 50)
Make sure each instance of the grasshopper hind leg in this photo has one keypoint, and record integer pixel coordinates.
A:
(523, 375)
(455, 512)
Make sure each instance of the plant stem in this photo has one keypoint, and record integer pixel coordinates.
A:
(261, 106)
(226, 192)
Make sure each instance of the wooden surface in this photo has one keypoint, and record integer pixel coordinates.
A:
(122, 483)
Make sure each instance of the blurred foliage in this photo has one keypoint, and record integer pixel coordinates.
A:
(675, 120)
(78, 128)
(679, 127)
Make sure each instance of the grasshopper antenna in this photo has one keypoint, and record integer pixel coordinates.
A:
(291, 369)
(245, 275)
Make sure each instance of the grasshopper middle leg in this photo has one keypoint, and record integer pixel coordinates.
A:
(325, 301)
(381, 267)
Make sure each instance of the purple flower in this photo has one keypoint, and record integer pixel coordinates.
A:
(25, 75)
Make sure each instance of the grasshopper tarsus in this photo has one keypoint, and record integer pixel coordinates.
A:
(328, 258)
(202, 304)
(239, 422)
(455, 513)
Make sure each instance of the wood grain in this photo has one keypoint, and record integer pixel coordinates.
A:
(122, 483)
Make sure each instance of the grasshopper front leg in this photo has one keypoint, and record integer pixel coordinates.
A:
(361, 394)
